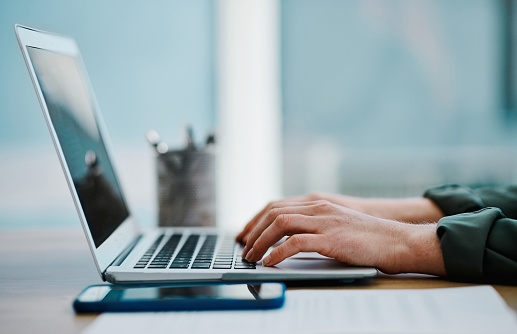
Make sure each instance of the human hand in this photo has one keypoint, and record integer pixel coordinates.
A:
(346, 235)
(243, 235)
(411, 210)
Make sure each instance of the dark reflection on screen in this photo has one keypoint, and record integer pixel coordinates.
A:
(238, 291)
(71, 114)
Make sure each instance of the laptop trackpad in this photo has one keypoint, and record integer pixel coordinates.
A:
(312, 261)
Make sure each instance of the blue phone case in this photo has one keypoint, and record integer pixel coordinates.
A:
(182, 304)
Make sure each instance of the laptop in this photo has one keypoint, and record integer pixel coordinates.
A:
(124, 253)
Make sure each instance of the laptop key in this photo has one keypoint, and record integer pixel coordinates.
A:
(182, 261)
(222, 266)
(202, 260)
(147, 256)
(243, 264)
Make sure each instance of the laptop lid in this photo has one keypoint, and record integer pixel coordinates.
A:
(76, 127)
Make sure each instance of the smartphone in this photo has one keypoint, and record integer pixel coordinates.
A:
(178, 297)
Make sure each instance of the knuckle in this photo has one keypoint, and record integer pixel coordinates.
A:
(272, 214)
(257, 245)
(314, 196)
(245, 237)
(273, 204)
(251, 237)
(278, 253)
(324, 205)
(325, 247)
(282, 221)
(297, 242)
(281, 252)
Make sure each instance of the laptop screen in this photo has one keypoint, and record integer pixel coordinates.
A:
(73, 118)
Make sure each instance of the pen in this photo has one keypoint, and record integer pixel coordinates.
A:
(190, 138)
(154, 139)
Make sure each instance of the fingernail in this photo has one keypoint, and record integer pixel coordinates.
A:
(249, 255)
(266, 261)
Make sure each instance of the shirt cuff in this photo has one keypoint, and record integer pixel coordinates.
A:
(463, 240)
(453, 199)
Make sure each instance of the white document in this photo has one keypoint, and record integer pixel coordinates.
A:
(477, 309)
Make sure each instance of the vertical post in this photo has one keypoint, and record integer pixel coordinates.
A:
(248, 108)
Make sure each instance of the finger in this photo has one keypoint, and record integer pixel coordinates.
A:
(284, 224)
(276, 209)
(294, 245)
(251, 224)
(241, 237)
(304, 208)
(245, 238)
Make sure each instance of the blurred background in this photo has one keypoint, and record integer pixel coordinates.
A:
(387, 98)
(151, 66)
(369, 98)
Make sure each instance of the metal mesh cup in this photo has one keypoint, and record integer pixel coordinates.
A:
(186, 188)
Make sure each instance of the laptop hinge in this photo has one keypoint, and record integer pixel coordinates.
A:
(123, 255)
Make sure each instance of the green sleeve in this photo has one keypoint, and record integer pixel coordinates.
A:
(479, 246)
(453, 199)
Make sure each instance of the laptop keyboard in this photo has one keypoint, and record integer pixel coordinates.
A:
(187, 258)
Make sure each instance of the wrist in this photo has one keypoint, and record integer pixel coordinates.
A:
(425, 211)
(414, 249)
(409, 210)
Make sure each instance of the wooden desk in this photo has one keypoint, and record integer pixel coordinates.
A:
(42, 271)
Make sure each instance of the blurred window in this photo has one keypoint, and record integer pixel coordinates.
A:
(387, 98)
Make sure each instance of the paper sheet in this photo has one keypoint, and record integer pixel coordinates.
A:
(477, 309)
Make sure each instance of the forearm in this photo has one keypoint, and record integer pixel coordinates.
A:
(410, 210)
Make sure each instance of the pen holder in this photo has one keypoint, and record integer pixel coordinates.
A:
(186, 188)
